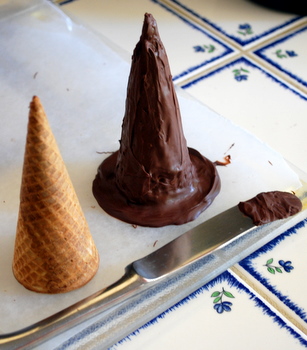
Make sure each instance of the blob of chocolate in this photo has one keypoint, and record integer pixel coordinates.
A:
(270, 206)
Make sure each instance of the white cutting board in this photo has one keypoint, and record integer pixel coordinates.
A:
(82, 85)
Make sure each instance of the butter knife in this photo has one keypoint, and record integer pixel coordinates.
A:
(139, 276)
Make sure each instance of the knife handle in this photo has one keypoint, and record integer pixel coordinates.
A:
(129, 285)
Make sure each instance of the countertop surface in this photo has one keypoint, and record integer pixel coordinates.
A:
(247, 63)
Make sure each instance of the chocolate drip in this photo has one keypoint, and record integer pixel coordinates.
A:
(270, 206)
(154, 179)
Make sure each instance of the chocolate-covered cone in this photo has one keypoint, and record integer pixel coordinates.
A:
(153, 148)
(154, 179)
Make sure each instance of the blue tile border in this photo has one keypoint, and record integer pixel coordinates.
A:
(247, 264)
(234, 38)
(233, 282)
(66, 2)
(188, 70)
(224, 277)
(247, 62)
(228, 50)
(261, 54)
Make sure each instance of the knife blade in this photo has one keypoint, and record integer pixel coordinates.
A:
(193, 244)
(139, 276)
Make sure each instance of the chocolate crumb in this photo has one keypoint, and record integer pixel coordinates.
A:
(230, 148)
(227, 160)
(104, 152)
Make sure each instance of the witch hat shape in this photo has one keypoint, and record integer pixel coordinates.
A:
(54, 250)
(154, 179)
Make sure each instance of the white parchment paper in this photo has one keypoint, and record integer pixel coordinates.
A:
(82, 84)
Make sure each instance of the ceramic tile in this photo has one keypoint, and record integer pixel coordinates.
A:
(278, 269)
(288, 55)
(260, 102)
(252, 97)
(121, 19)
(218, 314)
(243, 22)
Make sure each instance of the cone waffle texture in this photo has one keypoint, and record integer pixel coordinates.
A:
(54, 250)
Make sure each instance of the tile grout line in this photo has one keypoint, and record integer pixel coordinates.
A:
(280, 35)
(201, 24)
(275, 71)
(249, 53)
(252, 46)
(241, 51)
(208, 70)
(248, 279)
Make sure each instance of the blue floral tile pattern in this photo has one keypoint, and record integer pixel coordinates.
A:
(228, 317)
(232, 90)
(282, 266)
(241, 74)
(278, 275)
(196, 315)
(247, 30)
(190, 47)
(288, 55)
(211, 48)
(241, 70)
(219, 304)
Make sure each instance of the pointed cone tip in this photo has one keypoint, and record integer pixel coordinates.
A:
(150, 27)
(37, 113)
(35, 104)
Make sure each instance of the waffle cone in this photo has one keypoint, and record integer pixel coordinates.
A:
(54, 250)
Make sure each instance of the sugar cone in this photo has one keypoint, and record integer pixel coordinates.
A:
(54, 250)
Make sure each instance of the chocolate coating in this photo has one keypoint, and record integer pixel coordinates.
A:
(154, 179)
(270, 206)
